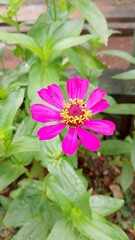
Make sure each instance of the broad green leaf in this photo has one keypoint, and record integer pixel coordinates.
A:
(23, 144)
(82, 61)
(110, 99)
(118, 53)
(115, 147)
(99, 228)
(9, 21)
(3, 93)
(71, 42)
(9, 108)
(111, 230)
(22, 39)
(30, 202)
(51, 150)
(88, 229)
(74, 59)
(37, 228)
(63, 229)
(41, 76)
(15, 78)
(71, 28)
(105, 205)
(68, 187)
(25, 157)
(132, 153)
(122, 108)
(95, 18)
(5, 202)
(126, 175)
(9, 172)
(39, 30)
(128, 75)
(26, 128)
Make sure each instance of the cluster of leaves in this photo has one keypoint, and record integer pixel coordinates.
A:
(55, 204)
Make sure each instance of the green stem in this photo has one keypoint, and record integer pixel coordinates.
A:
(28, 174)
(60, 156)
(17, 28)
(46, 1)
(54, 6)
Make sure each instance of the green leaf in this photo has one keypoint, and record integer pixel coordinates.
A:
(30, 202)
(12, 11)
(51, 150)
(64, 228)
(5, 202)
(88, 229)
(9, 172)
(37, 228)
(118, 53)
(95, 18)
(9, 108)
(112, 231)
(22, 39)
(71, 42)
(39, 30)
(11, 78)
(41, 76)
(132, 153)
(70, 28)
(128, 75)
(2, 147)
(115, 147)
(24, 144)
(82, 61)
(9, 21)
(126, 175)
(3, 92)
(105, 205)
(68, 187)
(26, 128)
(122, 108)
(61, 229)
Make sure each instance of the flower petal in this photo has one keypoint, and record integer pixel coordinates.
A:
(52, 95)
(88, 139)
(100, 106)
(43, 114)
(70, 142)
(48, 132)
(77, 88)
(104, 127)
(96, 95)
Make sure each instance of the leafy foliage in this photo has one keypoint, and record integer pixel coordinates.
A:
(55, 201)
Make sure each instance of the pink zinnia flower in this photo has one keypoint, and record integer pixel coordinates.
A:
(76, 114)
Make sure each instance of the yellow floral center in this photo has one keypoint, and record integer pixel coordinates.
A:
(74, 112)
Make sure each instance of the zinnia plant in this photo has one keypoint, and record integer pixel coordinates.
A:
(76, 114)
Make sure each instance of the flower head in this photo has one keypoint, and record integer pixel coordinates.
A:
(76, 114)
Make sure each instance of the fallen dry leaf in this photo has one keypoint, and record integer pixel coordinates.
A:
(116, 191)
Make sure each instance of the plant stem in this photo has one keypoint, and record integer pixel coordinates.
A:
(28, 174)
(54, 7)
(17, 28)
(46, 1)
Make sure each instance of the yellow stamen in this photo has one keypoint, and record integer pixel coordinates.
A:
(74, 112)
